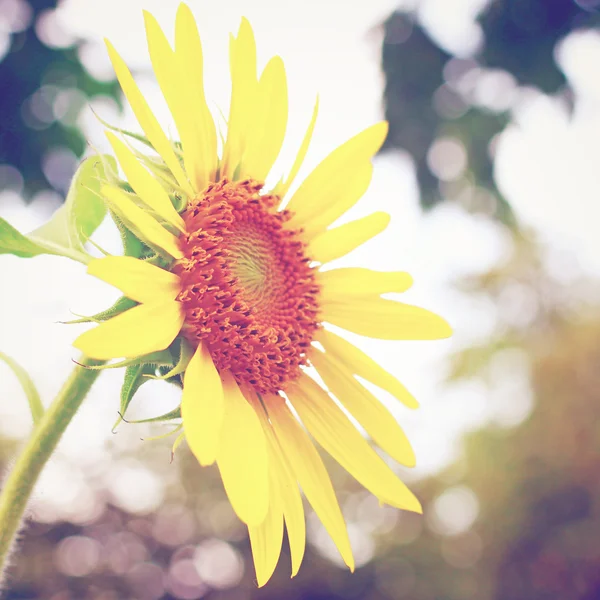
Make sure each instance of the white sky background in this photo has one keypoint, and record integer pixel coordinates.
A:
(331, 47)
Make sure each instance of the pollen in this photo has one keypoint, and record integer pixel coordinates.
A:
(248, 290)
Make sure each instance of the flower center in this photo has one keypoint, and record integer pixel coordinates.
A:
(248, 291)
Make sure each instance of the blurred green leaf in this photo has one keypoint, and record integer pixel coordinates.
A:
(35, 404)
(84, 209)
(14, 242)
(71, 225)
(472, 361)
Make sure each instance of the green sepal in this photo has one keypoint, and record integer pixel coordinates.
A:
(33, 397)
(120, 306)
(125, 186)
(135, 377)
(236, 172)
(136, 136)
(176, 444)
(128, 225)
(132, 245)
(162, 358)
(159, 169)
(135, 199)
(172, 414)
(179, 202)
(72, 224)
(162, 436)
(185, 355)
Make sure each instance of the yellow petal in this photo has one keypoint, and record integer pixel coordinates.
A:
(266, 538)
(338, 285)
(334, 173)
(188, 50)
(242, 456)
(137, 279)
(146, 118)
(180, 89)
(144, 184)
(287, 488)
(202, 406)
(140, 222)
(268, 129)
(386, 320)
(378, 422)
(172, 81)
(334, 431)
(282, 188)
(337, 242)
(346, 195)
(244, 86)
(357, 362)
(309, 470)
(140, 330)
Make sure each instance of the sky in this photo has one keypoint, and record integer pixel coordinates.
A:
(544, 160)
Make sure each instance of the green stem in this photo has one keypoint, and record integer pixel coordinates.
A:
(44, 438)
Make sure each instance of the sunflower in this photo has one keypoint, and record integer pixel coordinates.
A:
(235, 270)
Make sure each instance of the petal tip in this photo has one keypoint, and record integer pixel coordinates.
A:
(92, 265)
(81, 343)
(415, 507)
(254, 518)
(385, 217)
(446, 330)
(410, 461)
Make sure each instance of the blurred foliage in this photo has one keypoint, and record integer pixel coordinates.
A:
(44, 90)
(536, 536)
(534, 533)
(431, 94)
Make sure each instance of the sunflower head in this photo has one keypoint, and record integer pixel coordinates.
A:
(225, 290)
(248, 290)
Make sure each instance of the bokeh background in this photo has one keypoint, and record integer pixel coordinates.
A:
(490, 172)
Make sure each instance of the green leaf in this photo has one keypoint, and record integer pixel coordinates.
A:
(35, 404)
(83, 211)
(13, 242)
(72, 224)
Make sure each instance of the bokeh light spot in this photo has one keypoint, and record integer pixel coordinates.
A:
(59, 165)
(447, 158)
(135, 488)
(77, 556)
(218, 564)
(454, 511)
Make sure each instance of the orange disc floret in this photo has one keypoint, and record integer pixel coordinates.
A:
(248, 289)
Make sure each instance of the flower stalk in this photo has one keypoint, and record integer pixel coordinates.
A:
(19, 485)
